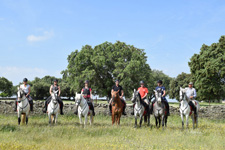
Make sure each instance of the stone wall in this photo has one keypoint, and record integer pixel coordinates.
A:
(212, 112)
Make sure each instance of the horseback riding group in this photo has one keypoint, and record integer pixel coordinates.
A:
(142, 106)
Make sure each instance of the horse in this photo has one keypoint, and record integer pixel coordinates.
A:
(185, 109)
(159, 109)
(117, 108)
(23, 107)
(139, 109)
(53, 108)
(83, 109)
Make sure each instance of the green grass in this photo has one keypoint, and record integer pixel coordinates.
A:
(68, 134)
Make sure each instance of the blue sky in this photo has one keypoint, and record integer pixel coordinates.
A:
(37, 36)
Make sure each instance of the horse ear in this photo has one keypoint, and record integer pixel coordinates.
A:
(180, 88)
(134, 90)
(18, 88)
(76, 93)
(154, 91)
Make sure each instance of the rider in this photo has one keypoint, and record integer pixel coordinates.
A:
(191, 94)
(143, 92)
(119, 88)
(87, 94)
(26, 88)
(160, 86)
(54, 87)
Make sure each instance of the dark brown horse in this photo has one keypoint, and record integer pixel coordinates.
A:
(117, 108)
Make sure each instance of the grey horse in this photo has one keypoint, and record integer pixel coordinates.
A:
(159, 109)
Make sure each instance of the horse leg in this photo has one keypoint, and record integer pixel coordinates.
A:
(148, 118)
(19, 120)
(85, 121)
(159, 122)
(187, 122)
(135, 121)
(166, 121)
(49, 117)
(113, 119)
(193, 121)
(141, 120)
(163, 121)
(156, 121)
(182, 118)
(80, 118)
(26, 120)
(56, 116)
(119, 119)
(197, 120)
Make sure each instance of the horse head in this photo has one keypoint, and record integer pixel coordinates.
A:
(78, 98)
(158, 95)
(20, 94)
(182, 94)
(54, 97)
(115, 95)
(136, 96)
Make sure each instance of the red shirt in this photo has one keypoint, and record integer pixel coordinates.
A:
(142, 91)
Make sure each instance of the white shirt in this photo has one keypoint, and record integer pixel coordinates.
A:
(191, 92)
(25, 88)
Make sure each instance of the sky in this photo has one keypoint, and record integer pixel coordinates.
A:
(37, 36)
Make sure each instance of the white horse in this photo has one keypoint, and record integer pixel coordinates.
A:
(185, 109)
(159, 109)
(53, 108)
(23, 107)
(83, 109)
(139, 108)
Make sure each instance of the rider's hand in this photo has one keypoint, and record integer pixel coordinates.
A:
(121, 97)
(191, 97)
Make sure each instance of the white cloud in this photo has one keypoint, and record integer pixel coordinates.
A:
(46, 35)
(16, 74)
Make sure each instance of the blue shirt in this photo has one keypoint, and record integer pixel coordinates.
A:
(161, 87)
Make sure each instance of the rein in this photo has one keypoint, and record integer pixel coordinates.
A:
(24, 106)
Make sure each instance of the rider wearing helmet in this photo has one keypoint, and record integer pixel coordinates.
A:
(144, 101)
(160, 86)
(54, 87)
(119, 88)
(26, 88)
(87, 94)
(191, 94)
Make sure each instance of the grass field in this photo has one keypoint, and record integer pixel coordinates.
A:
(68, 134)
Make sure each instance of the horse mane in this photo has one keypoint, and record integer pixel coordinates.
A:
(139, 95)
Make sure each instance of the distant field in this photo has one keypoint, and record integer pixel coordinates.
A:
(68, 134)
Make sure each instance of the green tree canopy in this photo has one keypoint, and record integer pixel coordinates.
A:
(103, 64)
(208, 70)
(182, 80)
(6, 87)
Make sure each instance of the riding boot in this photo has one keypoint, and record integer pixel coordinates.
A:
(92, 107)
(15, 109)
(61, 110)
(76, 110)
(45, 107)
(31, 105)
(132, 111)
(110, 109)
(167, 108)
(124, 107)
(151, 109)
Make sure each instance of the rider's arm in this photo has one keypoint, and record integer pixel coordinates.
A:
(164, 93)
(50, 90)
(59, 90)
(91, 95)
(122, 93)
(195, 94)
(112, 91)
(28, 91)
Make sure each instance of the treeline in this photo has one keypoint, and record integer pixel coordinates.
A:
(104, 63)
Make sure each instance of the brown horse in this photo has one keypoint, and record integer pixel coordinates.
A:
(117, 108)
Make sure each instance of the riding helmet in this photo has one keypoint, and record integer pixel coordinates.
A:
(87, 81)
(117, 80)
(142, 82)
(25, 80)
(55, 80)
(159, 81)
